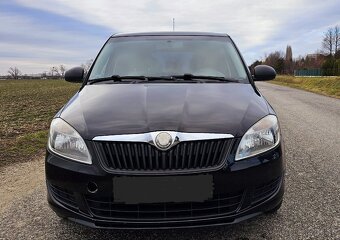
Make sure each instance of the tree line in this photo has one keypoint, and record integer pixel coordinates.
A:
(54, 71)
(326, 60)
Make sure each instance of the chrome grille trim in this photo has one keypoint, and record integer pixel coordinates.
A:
(150, 137)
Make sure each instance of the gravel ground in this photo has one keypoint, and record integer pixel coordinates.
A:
(311, 129)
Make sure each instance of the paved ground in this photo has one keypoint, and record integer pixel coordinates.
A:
(311, 127)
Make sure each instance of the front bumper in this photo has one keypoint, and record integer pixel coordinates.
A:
(241, 190)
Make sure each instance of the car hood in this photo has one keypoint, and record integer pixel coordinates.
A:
(110, 109)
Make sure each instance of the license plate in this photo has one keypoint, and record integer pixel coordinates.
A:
(161, 189)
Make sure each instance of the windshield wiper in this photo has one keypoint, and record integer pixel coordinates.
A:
(117, 78)
(188, 76)
(141, 78)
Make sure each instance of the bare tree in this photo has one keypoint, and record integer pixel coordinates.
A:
(87, 65)
(276, 60)
(253, 65)
(14, 72)
(62, 70)
(328, 41)
(336, 39)
(55, 70)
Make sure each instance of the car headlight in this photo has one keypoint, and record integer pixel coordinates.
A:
(261, 137)
(65, 141)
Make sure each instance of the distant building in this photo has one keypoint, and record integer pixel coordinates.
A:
(315, 56)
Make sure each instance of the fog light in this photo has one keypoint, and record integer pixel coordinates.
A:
(92, 187)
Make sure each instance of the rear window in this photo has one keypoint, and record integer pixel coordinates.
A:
(168, 56)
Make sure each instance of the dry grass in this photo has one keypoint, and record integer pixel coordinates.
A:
(329, 86)
(26, 109)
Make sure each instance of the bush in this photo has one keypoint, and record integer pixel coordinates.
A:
(331, 67)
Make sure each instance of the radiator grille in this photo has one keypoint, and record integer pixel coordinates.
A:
(133, 156)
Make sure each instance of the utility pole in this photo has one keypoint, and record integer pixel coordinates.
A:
(173, 24)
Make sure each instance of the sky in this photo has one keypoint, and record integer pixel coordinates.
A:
(38, 34)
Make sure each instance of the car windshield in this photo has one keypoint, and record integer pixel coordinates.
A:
(154, 56)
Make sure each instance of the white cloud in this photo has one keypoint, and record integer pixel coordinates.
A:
(35, 29)
(33, 59)
(34, 46)
(252, 22)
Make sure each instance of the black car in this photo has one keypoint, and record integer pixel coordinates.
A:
(167, 130)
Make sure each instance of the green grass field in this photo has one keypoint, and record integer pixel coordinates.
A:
(329, 86)
(26, 109)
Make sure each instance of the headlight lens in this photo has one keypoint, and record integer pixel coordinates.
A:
(261, 137)
(66, 141)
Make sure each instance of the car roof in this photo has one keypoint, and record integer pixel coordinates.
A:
(170, 34)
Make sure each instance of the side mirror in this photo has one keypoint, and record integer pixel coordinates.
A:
(264, 73)
(75, 75)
